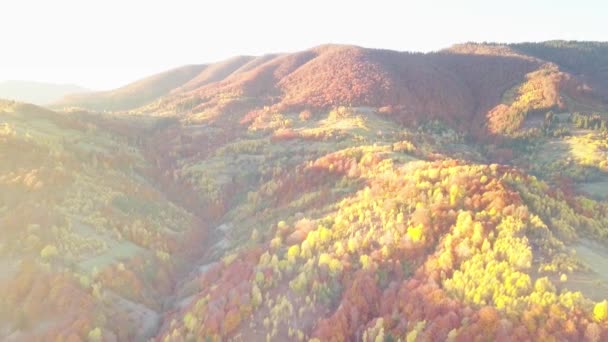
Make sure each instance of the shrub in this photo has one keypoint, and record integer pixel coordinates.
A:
(293, 252)
(48, 252)
(305, 115)
(600, 311)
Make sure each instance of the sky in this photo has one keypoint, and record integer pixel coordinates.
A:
(103, 44)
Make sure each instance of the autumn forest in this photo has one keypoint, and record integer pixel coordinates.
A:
(334, 194)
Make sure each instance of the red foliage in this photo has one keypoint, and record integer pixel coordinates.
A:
(359, 304)
(305, 115)
(251, 116)
(458, 87)
(285, 134)
(488, 318)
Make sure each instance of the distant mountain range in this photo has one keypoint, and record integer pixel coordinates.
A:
(39, 93)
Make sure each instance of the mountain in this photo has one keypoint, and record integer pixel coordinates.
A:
(464, 84)
(334, 194)
(36, 92)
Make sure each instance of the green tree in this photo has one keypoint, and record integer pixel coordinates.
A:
(48, 252)
(95, 335)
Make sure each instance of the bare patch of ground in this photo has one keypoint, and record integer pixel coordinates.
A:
(597, 190)
(593, 283)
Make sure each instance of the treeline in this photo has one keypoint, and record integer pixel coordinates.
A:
(573, 55)
(589, 121)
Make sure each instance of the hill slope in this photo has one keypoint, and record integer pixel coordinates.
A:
(78, 200)
(133, 95)
(416, 86)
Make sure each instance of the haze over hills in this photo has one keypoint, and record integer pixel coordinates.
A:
(37, 92)
(135, 94)
(335, 194)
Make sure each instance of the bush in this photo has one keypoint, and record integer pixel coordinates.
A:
(305, 115)
(49, 252)
(600, 311)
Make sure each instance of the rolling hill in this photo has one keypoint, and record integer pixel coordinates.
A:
(36, 92)
(334, 194)
(133, 95)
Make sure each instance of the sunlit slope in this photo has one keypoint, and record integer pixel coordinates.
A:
(483, 88)
(88, 241)
(336, 225)
(411, 87)
(132, 95)
(353, 227)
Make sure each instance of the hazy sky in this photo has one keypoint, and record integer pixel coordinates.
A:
(102, 44)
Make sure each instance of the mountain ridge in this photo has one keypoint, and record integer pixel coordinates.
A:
(465, 82)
